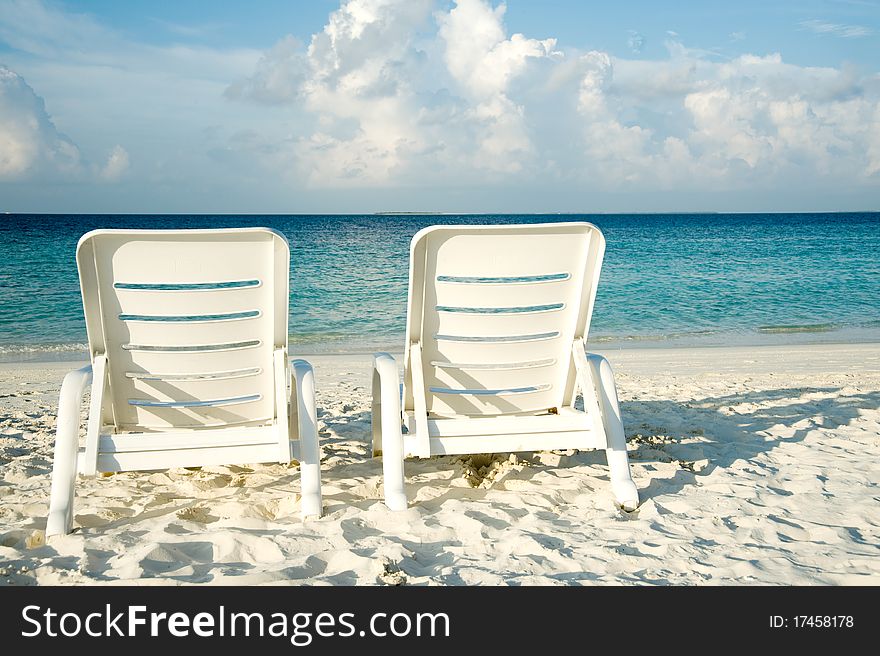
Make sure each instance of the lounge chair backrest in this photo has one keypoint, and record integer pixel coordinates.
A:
(493, 312)
(188, 321)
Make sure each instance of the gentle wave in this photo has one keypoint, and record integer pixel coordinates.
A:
(805, 328)
(16, 349)
(335, 344)
(658, 337)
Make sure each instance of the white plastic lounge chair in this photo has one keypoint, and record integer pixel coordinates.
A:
(495, 356)
(187, 333)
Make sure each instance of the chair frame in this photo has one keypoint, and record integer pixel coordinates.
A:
(599, 426)
(292, 434)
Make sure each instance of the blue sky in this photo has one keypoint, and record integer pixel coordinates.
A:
(435, 105)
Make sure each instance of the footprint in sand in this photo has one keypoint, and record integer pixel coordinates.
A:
(483, 470)
(198, 514)
(278, 508)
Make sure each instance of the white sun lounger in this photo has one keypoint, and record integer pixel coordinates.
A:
(495, 357)
(187, 333)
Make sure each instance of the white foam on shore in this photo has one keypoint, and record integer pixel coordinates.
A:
(779, 336)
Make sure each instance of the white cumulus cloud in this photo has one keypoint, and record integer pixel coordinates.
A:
(359, 83)
(32, 148)
(391, 104)
(483, 62)
(29, 141)
(478, 53)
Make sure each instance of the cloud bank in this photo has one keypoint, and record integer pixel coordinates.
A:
(408, 92)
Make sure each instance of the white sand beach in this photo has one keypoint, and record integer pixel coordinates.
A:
(754, 466)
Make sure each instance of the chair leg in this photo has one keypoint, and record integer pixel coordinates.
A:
(622, 486)
(310, 449)
(60, 520)
(386, 424)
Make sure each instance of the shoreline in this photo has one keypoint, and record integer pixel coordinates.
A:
(38, 356)
(781, 359)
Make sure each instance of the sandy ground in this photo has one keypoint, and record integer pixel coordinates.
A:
(754, 465)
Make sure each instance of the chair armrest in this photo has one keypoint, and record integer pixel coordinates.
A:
(385, 365)
(72, 389)
(64, 467)
(386, 399)
(69, 401)
(303, 379)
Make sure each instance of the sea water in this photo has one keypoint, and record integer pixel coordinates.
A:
(668, 279)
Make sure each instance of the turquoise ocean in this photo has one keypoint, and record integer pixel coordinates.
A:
(668, 279)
